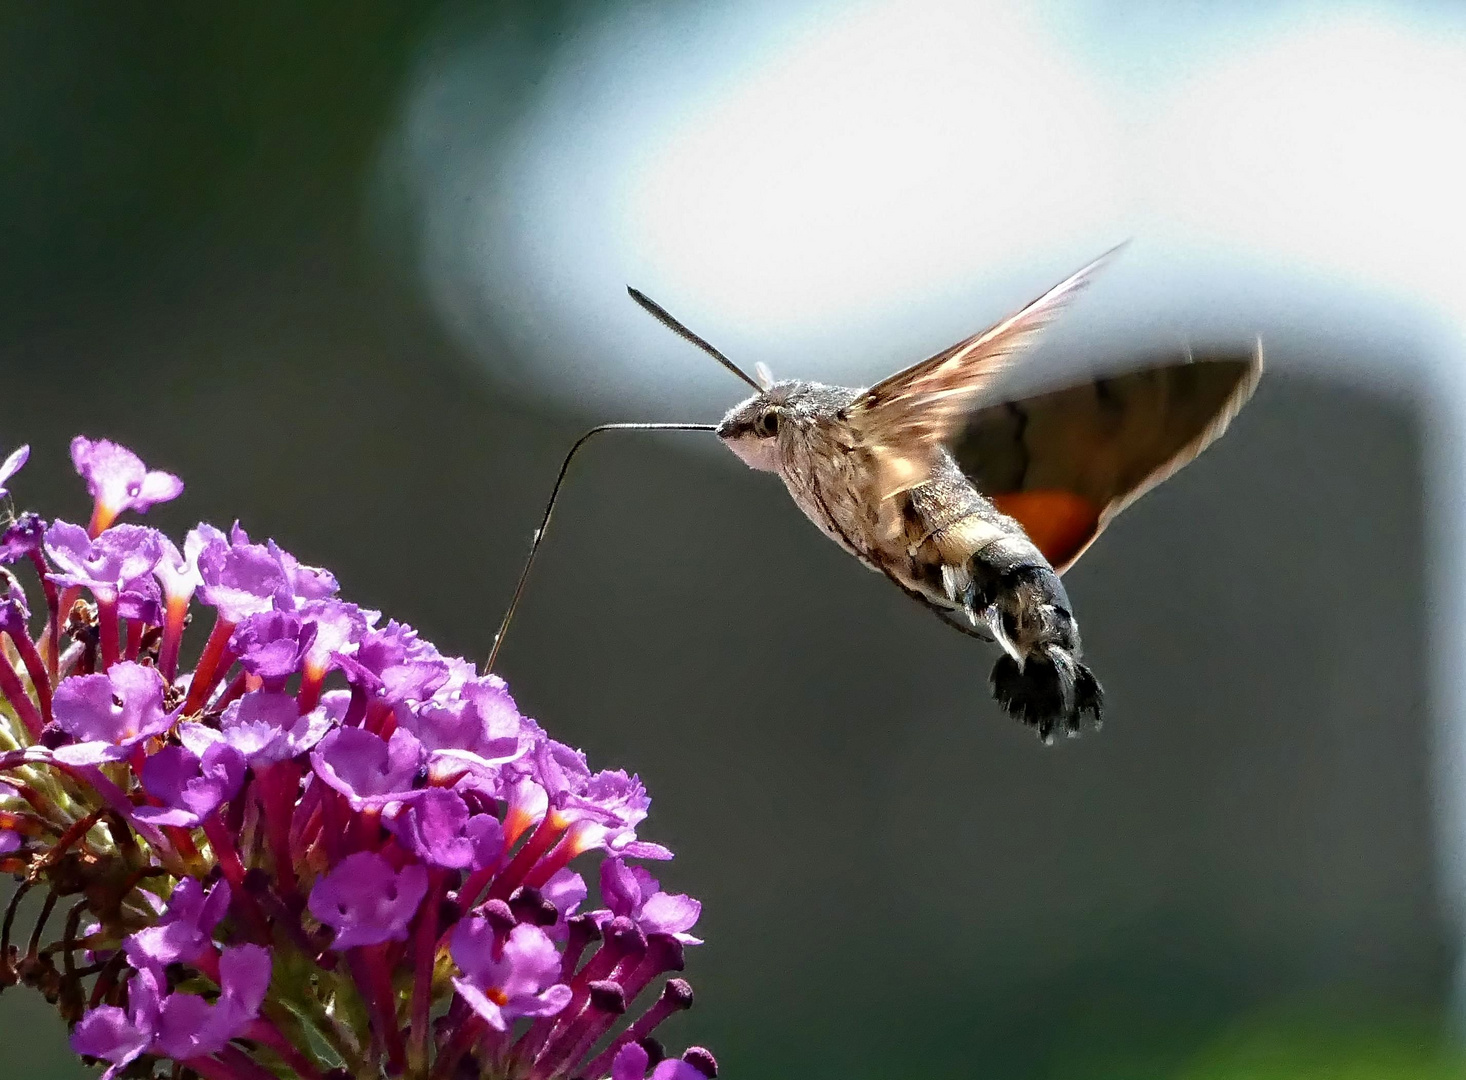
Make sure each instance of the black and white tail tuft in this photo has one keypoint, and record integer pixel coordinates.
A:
(1039, 680)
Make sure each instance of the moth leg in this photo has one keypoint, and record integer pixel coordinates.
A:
(957, 624)
(971, 630)
(1039, 679)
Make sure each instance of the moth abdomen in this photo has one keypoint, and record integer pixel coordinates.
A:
(1039, 680)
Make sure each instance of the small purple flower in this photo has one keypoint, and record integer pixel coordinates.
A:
(141, 600)
(369, 770)
(631, 891)
(521, 980)
(338, 627)
(526, 804)
(117, 1036)
(182, 1026)
(305, 583)
(393, 662)
(438, 828)
(107, 565)
(567, 891)
(190, 787)
(118, 480)
(266, 726)
(273, 644)
(602, 809)
(481, 719)
(23, 536)
(184, 930)
(366, 902)
(111, 713)
(239, 579)
(189, 1026)
(178, 573)
(11, 466)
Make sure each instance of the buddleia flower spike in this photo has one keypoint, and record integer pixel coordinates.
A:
(327, 851)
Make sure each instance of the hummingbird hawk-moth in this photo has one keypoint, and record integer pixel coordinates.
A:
(973, 502)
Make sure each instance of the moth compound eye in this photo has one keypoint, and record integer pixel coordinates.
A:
(767, 425)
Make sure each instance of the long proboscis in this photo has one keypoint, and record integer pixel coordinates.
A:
(539, 534)
(663, 316)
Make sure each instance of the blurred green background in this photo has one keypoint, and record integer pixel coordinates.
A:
(210, 255)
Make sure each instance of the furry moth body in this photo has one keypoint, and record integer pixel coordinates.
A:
(974, 503)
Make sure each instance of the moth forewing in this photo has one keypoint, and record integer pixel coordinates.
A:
(927, 403)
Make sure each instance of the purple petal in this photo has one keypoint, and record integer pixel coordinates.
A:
(525, 966)
(548, 1002)
(645, 849)
(566, 890)
(273, 644)
(107, 565)
(394, 662)
(367, 770)
(239, 578)
(190, 1026)
(338, 627)
(24, 536)
(479, 1003)
(184, 929)
(178, 573)
(677, 1069)
(89, 753)
(530, 962)
(303, 583)
(366, 902)
(190, 787)
(107, 1033)
(435, 829)
(472, 946)
(158, 486)
(630, 1063)
(481, 719)
(117, 479)
(266, 726)
(187, 1027)
(666, 913)
(120, 707)
(141, 601)
(244, 978)
(620, 890)
(12, 466)
(116, 1036)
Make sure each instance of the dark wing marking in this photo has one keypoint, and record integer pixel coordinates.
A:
(901, 418)
(1064, 463)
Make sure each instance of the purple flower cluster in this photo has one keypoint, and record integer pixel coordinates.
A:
(328, 851)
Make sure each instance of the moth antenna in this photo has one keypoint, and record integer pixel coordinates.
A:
(539, 534)
(656, 311)
(764, 375)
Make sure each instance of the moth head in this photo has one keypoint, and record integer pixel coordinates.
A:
(751, 428)
(755, 428)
